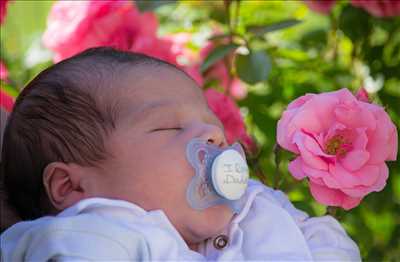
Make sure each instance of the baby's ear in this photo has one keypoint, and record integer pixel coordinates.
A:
(63, 183)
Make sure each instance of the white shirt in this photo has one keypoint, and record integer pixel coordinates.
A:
(268, 227)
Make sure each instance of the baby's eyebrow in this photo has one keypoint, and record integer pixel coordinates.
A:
(148, 110)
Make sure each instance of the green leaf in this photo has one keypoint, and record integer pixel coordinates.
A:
(391, 51)
(260, 30)
(254, 67)
(149, 5)
(9, 90)
(219, 36)
(315, 38)
(216, 54)
(355, 23)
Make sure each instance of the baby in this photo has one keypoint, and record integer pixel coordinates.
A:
(95, 161)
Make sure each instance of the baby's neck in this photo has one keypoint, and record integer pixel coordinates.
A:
(194, 247)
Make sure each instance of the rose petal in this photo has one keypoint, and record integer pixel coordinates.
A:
(308, 157)
(295, 168)
(393, 142)
(373, 178)
(325, 176)
(361, 139)
(317, 181)
(344, 177)
(350, 202)
(325, 195)
(354, 159)
(368, 174)
(311, 144)
(383, 176)
(344, 95)
(300, 101)
(333, 129)
(333, 197)
(323, 105)
(352, 116)
(306, 119)
(284, 135)
(358, 191)
(380, 142)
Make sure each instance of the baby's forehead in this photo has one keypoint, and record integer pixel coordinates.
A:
(162, 90)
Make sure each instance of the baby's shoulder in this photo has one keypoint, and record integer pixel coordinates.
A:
(88, 235)
(269, 219)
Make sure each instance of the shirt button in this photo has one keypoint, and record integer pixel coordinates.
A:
(220, 241)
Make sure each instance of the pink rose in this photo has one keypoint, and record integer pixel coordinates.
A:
(3, 71)
(179, 47)
(187, 58)
(380, 8)
(219, 72)
(362, 95)
(3, 10)
(342, 145)
(6, 101)
(321, 6)
(74, 26)
(229, 114)
(155, 47)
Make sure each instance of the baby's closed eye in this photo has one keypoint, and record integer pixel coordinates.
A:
(166, 129)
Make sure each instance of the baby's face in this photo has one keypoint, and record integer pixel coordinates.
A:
(149, 168)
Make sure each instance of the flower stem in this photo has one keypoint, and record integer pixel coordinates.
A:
(333, 211)
(278, 176)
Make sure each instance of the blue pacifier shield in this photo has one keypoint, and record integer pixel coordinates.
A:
(221, 175)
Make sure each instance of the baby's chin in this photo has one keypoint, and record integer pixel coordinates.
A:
(213, 221)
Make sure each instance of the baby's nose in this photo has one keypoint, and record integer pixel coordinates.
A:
(213, 135)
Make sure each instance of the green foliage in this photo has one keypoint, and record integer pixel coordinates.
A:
(322, 53)
(285, 60)
(261, 30)
(217, 54)
(146, 5)
(254, 67)
(20, 41)
(359, 21)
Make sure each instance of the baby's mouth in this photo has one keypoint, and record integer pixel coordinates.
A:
(221, 175)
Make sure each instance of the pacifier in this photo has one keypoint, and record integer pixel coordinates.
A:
(221, 175)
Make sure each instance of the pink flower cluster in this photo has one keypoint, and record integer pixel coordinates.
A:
(6, 101)
(379, 8)
(74, 26)
(3, 10)
(321, 6)
(3, 71)
(342, 144)
(228, 112)
(219, 72)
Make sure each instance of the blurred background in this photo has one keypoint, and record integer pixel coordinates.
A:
(252, 58)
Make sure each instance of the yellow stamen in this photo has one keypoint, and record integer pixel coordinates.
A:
(337, 145)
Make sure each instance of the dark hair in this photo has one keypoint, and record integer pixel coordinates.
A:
(62, 115)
